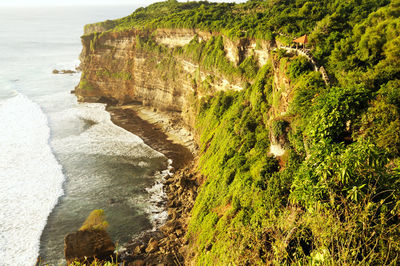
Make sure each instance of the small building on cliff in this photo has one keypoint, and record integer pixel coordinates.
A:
(303, 40)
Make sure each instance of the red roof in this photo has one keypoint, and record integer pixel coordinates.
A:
(303, 39)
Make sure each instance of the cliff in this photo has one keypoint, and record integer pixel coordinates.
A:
(296, 164)
(157, 69)
(143, 67)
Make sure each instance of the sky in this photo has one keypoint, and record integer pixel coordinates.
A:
(84, 2)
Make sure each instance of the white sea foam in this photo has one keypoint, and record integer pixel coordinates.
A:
(31, 180)
(157, 210)
(103, 137)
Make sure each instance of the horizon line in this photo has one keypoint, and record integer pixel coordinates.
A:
(49, 5)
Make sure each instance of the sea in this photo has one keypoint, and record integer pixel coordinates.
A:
(60, 159)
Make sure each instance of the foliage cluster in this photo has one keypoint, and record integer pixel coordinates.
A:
(234, 201)
(326, 22)
(334, 198)
(95, 221)
(84, 84)
(210, 55)
(121, 75)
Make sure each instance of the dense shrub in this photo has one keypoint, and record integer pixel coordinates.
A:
(95, 221)
(298, 66)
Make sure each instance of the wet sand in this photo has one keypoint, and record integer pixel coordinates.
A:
(152, 133)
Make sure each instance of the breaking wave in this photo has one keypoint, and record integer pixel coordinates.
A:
(30, 176)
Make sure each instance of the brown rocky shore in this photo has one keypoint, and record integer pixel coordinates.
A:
(166, 245)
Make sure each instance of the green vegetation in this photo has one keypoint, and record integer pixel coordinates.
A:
(95, 263)
(331, 200)
(326, 22)
(229, 213)
(210, 55)
(95, 221)
(85, 85)
(106, 25)
(121, 75)
(334, 196)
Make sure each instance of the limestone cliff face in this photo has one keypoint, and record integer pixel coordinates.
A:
(118, 68)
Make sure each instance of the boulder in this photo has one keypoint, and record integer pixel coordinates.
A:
(63, 71)
(152, 246)
(169, 227)
(179, 232)
(67, 71)
(137, 263)
(172, 214)
(88, 244)
(138, 249)
(180, 191)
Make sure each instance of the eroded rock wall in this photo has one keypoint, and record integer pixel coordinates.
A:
(118, 68)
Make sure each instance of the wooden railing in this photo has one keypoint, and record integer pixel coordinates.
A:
(307, 54)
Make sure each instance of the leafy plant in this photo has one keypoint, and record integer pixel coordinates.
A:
(95, 221)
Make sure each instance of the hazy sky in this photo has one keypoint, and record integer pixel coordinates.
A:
(84, 2)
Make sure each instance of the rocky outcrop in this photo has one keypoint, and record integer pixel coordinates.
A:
(179, 37)
(168, 245)
(63, 71)
(86, 245)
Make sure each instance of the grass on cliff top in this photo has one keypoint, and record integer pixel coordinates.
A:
(325, 22)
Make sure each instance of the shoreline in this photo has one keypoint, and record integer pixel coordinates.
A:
(157, 130)
(166, 244)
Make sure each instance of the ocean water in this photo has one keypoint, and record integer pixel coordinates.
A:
(60, 159)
